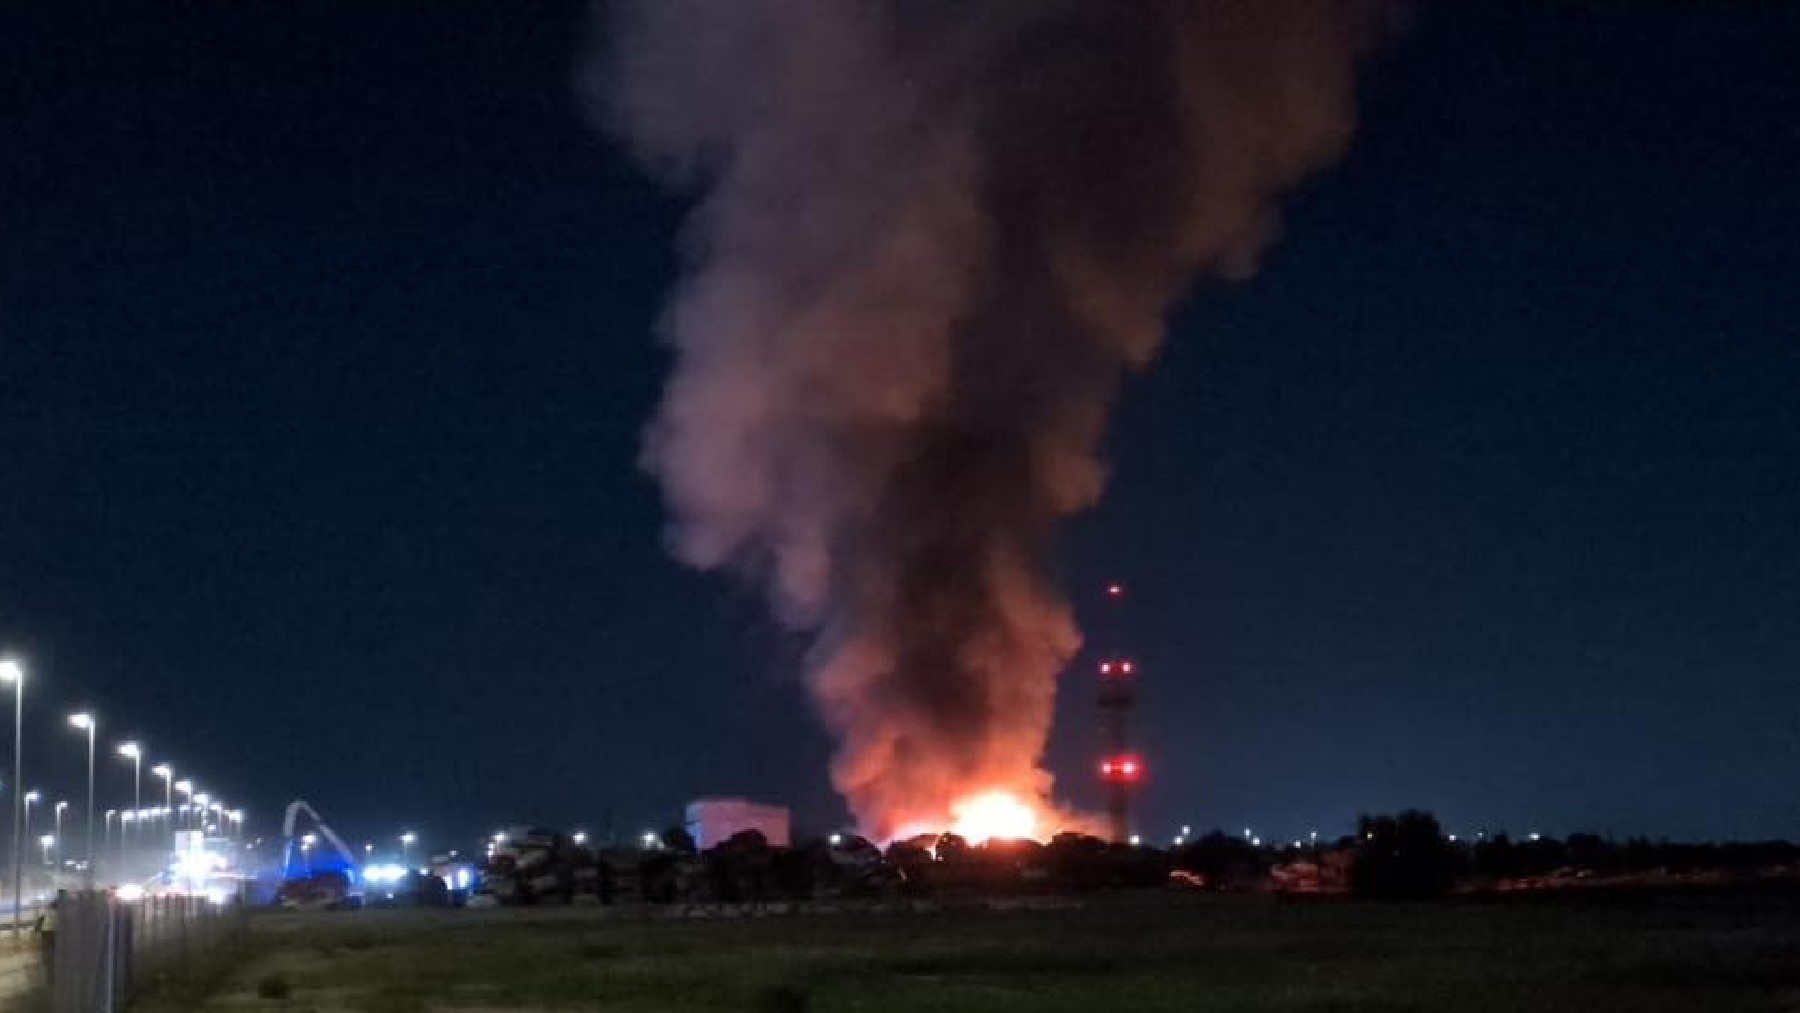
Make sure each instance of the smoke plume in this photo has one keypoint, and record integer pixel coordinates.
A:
(930, 238)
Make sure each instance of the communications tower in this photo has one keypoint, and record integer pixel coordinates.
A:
(1121, 769)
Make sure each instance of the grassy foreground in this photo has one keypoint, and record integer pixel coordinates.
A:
(1108, 957)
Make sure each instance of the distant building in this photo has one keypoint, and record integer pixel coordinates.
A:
(712, 820)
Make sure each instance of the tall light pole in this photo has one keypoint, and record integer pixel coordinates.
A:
(186, 787)
(126, 819)
(14, 673)
(406, 843)
(135, 753)
(60, 806)
(85, 722)
(106, 819)
(167, 773)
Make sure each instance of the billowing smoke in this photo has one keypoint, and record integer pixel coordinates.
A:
(930, 238)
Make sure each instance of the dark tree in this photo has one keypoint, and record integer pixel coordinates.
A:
(1401, 857)
(678, 840)
(1224, 861)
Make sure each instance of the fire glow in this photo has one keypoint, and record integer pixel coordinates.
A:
(995, 815)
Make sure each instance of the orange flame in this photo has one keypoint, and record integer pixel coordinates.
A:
(995, 814)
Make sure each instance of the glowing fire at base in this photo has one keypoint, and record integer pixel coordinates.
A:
(994, 814)
(998, 814)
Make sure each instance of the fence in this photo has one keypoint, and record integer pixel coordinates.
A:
(103, 946)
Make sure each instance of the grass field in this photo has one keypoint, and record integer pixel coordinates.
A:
(1108, 957)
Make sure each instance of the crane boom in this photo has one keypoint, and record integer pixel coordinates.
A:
(294, 809)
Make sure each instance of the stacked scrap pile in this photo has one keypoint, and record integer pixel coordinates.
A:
(537, 866)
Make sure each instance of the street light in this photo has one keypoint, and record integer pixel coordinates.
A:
(135, 753)
(186, 788)
(167, 773)
(60, 806)
(47, 842)
(14, 673)
(126, 819)
(406, 843)
(84, 721)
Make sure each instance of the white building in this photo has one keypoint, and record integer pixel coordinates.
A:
(713, 820)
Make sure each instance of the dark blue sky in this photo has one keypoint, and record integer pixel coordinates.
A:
(326, 337)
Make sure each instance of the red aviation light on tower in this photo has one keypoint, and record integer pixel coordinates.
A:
(1121, 769)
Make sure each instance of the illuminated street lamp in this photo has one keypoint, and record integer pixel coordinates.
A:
(135, 753)
(167, 773)
(406, 843)
(126, 819)
(47, 842)
(14, 673)
(58, 808)
(84, 721)
(186, 788)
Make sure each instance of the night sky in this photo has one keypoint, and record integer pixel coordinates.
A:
(327, 337)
